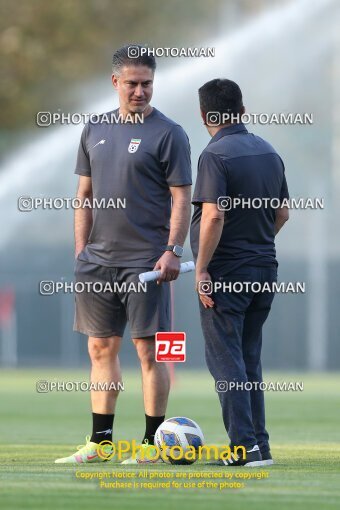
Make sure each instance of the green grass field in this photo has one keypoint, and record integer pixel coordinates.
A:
(36, 428)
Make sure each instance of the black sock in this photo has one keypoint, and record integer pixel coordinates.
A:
(151, 425)
(102, 427)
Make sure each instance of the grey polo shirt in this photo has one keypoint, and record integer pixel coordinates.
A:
(136, 163)
(239, 164)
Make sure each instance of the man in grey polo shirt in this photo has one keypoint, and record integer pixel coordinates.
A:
(236, 245)
(144, 166)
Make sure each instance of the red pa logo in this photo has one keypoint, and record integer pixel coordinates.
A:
(170, 346)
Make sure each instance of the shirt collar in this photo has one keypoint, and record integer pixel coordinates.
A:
(229, 130)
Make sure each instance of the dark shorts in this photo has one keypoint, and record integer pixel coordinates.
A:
(105, 313)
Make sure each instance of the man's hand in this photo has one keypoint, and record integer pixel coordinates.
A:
(169, 266)
(204, 288)
(77, 251)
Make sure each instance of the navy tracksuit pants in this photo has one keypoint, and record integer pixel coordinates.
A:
(233, 342)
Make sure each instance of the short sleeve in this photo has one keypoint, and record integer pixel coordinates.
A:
(83, 166)
(175, 157)
(211, 180)
(284, 193)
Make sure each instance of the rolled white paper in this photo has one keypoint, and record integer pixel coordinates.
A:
(150, 276)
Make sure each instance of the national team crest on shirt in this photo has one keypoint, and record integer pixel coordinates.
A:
(134, 144)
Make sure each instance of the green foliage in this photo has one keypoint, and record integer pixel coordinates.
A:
(36, 428)
(50, 48)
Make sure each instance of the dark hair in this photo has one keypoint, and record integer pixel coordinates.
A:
(131, 55)
(220, 95)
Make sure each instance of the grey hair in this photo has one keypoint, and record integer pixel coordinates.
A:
(132, 55)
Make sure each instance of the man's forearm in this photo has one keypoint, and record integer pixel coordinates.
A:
(210, 235)
(180, 218)
(279, 222)
(82, 227)
(282, 215)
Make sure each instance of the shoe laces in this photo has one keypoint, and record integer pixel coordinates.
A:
(145, 443)
(86, 446)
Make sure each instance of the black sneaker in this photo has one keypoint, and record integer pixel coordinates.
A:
(252, 459)
(267, 458)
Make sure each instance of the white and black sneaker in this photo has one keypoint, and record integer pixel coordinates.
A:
(252, 458)
(267, 458)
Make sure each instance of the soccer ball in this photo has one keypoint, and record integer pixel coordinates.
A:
(179, 440)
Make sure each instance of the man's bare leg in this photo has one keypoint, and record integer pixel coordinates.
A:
(156, 385)
(105, 368)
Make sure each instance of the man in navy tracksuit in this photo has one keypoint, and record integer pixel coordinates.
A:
(235, 244)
